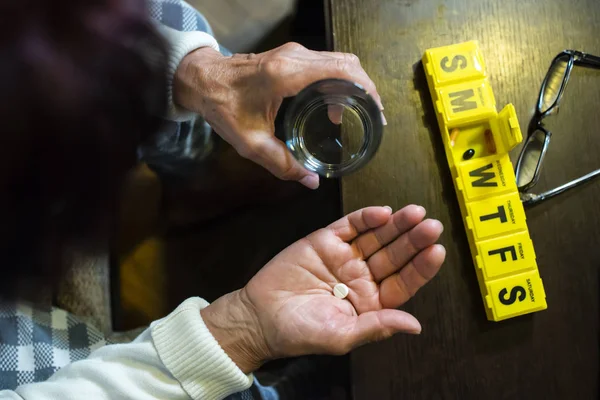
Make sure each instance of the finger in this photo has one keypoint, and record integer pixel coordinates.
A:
(357, 222)
(346, 67)
(324, 65)
(397, 254)
(400, 223)
(383, 119)
(363, 79)
(397, 289)
(374, 326)
(335, 54)
(357, 74)
(272, 154)
(335, 113)
(360, 75)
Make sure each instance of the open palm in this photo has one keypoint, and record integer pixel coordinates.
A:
(382, 258)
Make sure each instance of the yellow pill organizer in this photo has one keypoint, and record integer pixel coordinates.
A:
(477, 140)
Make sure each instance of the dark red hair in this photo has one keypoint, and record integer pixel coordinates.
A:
(81, 84)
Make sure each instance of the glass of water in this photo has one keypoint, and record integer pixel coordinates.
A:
(333, 127)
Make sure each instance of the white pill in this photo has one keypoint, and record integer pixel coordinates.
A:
(340, 291)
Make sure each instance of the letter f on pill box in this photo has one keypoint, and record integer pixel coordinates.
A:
(477, 141)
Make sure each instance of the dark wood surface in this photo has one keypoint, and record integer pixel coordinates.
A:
(460, 355)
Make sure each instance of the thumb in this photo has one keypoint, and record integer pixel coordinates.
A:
(272, 154)
(335, 113)
(374, 326)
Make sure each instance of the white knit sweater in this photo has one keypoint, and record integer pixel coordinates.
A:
(177, 357)
(181, 44)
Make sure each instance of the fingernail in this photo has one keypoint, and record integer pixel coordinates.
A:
(383, 119)
(388, 208)
(440, 223)
(310, 181)
(422, 209)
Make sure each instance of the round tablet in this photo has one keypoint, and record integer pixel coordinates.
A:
(340, 291)
(333, 127)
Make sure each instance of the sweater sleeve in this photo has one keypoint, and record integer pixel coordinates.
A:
(176, 358)
(180, 44)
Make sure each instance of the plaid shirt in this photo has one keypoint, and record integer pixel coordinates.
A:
(36, 342)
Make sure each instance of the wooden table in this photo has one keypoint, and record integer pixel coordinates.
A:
(460, 355)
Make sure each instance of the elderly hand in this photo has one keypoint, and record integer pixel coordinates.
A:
(240, 96)
(288, 308)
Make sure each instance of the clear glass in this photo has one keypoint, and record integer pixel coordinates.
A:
(554, 83)
(333, 127)
(531, 158)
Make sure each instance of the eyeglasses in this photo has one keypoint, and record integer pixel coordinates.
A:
(534, 151)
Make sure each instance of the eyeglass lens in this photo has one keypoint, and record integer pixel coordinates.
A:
(553, 82)
(531, 158)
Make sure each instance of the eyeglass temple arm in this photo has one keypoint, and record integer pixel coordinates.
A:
(534, 199)
(590, 60)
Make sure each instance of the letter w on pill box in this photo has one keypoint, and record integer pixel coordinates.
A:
(477, 140)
